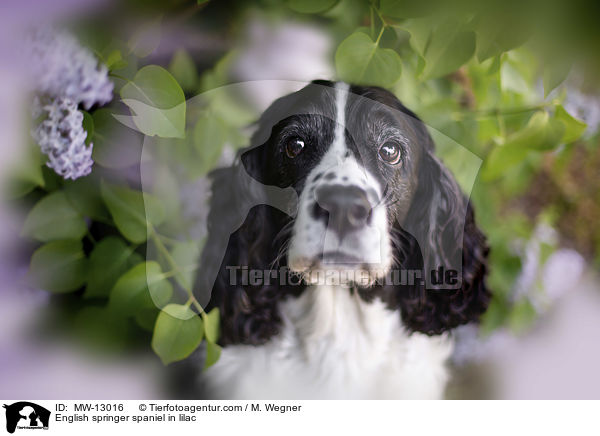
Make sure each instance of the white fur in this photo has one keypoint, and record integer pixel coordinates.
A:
(311, 237)
(334, 345)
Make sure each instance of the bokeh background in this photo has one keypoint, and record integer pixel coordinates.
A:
(514, 83)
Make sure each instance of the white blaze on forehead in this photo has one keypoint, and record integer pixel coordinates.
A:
(341, 97)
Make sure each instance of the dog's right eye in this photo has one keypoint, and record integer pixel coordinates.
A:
(390, 153)
(294, 147)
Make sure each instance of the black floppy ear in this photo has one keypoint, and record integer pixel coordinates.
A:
(248, 229)
(441, 239)
(242, 235)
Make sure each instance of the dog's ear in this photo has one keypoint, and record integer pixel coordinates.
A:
(243, 234)
(441, 239)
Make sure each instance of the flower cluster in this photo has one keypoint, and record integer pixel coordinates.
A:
(61, 67)
(65, 75)
(62, 138)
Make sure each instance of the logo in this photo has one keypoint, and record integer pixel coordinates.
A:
(26, 415)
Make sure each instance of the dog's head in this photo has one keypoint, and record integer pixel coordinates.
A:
(371, 198)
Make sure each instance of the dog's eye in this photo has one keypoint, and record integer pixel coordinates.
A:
(293, 147)
(390, 153)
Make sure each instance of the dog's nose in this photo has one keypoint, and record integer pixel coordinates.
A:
(344, 208)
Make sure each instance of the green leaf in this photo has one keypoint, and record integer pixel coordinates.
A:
(84, 196)
(157, 102)
(132, 211)
(531, 134)
(212, 323)
(27, 173)
(32, 165)
(142, 287)
(541, 133)
(183, 69)
(311, 6)
(209, 139)
(359, 59)
(554, 74)
(52, 181)
(420, 31)
(52, 218)
(109, 259)
(177, 333)
(114, 60)
(115, 145)
(512, 78)
(574, 128)
(88, 126)
(500, 159)
(448, 49)
(100, 330)
(146, 318)
(213, 352)
(16, 188)
(185, 255)
(59, 266)
(492, 36)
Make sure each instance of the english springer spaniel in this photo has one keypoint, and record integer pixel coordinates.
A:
(340, 253)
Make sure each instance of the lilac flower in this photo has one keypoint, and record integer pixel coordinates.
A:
(62, 138)
(64, 75)
(61, 68)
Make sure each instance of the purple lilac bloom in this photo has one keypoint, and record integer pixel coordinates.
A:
(61, 67)
(64, 74)
(62, 138)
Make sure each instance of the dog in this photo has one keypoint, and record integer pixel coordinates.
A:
(340, 253)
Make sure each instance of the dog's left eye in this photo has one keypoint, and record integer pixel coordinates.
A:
(390, 153)
(294, 147)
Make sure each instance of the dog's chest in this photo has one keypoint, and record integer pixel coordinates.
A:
(334, 345)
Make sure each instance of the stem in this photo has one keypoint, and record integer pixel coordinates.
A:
(362, 73)
(501, 125)
(385, 24)
(380, 34)
(161, 247)
(118, 76)
(163, 250)
(174, 272)
(90, 237)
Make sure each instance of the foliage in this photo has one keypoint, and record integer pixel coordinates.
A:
(125, 249)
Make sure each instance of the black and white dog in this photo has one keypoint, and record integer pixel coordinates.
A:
(340, 252)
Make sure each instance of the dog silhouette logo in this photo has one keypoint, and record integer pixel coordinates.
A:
(26, 415)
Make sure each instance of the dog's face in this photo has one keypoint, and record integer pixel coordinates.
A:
(371, 197)
(349, 157)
